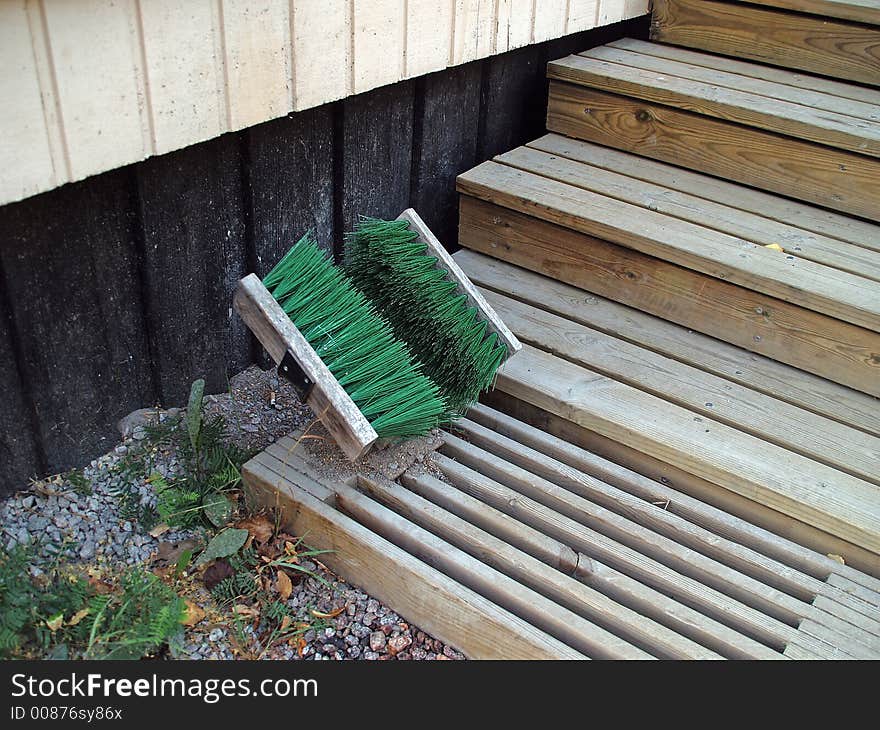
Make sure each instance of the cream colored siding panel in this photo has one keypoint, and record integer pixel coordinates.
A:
(428, 35)
(582, 15)
(258, 60)
(474, 31)
(25, 155)
(612, 11)
(321, 31)
(379, 43)
(184, 78)
(551, 17)
(515, 21)
(93, 46)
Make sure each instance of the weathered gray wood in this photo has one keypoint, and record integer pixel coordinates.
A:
(463, 284)
(610, 630)
(442, 606)
(608, 581)
(273, 328)
(865, 588)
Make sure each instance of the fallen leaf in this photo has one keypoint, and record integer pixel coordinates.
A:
(285, 622)
(101, 587)
(219, 571)
(837, 558)
(159, 530)
(78, 616)
(225, 543)
(259, 526)
(302, 646)
(241, 610)
(283, 585)
(55, 622)
(194, 614)
(327, 614)
(169, 552)
(774, 246)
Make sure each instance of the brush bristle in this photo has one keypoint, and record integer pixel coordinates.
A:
(355, 342)
(388, 263)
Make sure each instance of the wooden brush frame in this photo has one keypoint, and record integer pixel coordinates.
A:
(326, 397)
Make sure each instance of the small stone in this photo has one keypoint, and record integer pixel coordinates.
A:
(29, 501)
(371, 656)
(216, 635)
(127, 527)
(398, 643)
(250, 428)
(87, 551)
(138, 433)
(373, 606)
(419, 654)
(377, 641)
(329, 633)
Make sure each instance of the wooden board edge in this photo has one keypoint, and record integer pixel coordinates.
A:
(278, 335)
(475, 298)
(439, 605)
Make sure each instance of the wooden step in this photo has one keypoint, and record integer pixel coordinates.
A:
(514, 543)
(689, 259)
(779, 134)
(824, 37)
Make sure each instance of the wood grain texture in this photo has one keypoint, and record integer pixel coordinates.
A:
(378, 43)
(836, 179)
(710, 355)
(190, 208)
(744, 225)
(696, 90)
(315, 81)
(860, 11)
(770, 327)
(817, 45)
(445, 608)
(329, 401)
(783, 481)
(428, 35)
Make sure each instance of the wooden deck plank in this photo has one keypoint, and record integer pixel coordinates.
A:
(619, 628)
(828, 291)
(826, 223)
(867, 622)
(742, 224)
(616, 72)
(641, 54)
(792, 428)
(827, 347)
(545, 510)
(860, 11)
(446, 609)
(743, 464)
(786, 76)
(616, 585)
(866, 591)
(834, 178)
(731, 363)
(821, 46)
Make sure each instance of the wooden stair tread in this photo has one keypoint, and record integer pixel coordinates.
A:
(819, 45)
(821, 288)
(721, 95)
(809, 393)
(860, 11)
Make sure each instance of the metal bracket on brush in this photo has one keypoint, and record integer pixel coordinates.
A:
(290, 370)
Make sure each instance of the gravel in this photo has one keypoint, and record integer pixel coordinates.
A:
(93, 524)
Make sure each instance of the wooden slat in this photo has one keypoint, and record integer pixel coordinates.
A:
(788, 77)
(745, 225)
(463, 285)
(446, 609)
(772, 207)
(619, 628)
(378, 43)
(866, 621)
(861, 11)
(620, 72)
(849, 645)
(834, 178)
(810, 101)
(820, 288)
(686, 346)
(780, 479)
(807, 340)
(865, 590)
(861, 565)
(329, 401)
(315, 80)
(546, 510)
(817, 45)
(616, 585)
(812, 436)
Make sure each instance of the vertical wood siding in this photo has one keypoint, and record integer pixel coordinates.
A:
(98, 84)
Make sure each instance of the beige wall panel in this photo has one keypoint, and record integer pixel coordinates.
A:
(185, 76)
(551, 17)
(258, 62)
(321, 51)
(611, 11)
(379, 43)
(103, 113)
(428, 35)
(25, 155)
(581, 15)
(514, 23)
(474, 32)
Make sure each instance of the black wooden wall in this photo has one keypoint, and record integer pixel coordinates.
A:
(115, 292)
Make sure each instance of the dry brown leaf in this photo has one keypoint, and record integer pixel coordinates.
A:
(101, 587)
(259, 526)
(170, 552)
(283, 585)
(159, 530)
(241, 610)
(55, 623)
(302, 646)
(194, 614)
(837, 558)
(328, 614)
(285, 623)
(78, 616)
